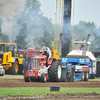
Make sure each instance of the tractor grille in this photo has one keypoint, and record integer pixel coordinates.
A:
(35, 63)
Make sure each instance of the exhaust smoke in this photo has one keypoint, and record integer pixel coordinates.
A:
(66, 28)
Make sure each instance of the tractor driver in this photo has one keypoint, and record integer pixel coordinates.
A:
(47, 55)
(82, 47)
(45, 52)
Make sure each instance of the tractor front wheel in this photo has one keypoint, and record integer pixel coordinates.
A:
(43, 77)
(27, 79)
(14, 68)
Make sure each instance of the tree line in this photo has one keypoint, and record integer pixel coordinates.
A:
(35, 30)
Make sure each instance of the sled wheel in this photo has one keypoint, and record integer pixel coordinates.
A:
(86, 76)
(82, 76)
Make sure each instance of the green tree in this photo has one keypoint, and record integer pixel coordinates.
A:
(97, 39)
(83, 29)
(3, 37)
(39, 29)
(48, 36)
(20, 39)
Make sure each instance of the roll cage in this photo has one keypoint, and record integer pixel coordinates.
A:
(5, 47)
(77, 45)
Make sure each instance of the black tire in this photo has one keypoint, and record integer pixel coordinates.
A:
(14, 68)
(86, 76)
(73, 75)
(26, 79)
(82, 76)
(53, 72)
(68, 80)
(1, 74)
(43, 77)
(21, 69)
(92, 76)
(7, 72)
(89, 76)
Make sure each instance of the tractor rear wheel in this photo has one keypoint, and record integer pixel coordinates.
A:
(14, 68)
(55, 71)
(43, 77)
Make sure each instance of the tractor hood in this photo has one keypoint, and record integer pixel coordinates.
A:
(40, 57)
(78, 53)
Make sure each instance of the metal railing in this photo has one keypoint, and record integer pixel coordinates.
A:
(55, 44)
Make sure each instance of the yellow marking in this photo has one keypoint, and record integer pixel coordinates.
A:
(69, 71)
(8, 43)
(93, 65)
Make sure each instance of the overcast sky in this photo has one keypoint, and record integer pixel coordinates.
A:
(85, 10)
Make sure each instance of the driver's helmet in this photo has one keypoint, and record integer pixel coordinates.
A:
(45, 50)
(82, 45)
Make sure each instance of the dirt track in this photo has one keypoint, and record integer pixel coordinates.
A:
(18, 81)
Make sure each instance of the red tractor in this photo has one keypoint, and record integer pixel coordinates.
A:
(43, 67)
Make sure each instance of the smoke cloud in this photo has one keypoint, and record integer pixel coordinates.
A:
(66, 28)
(24, 19)
(9, 13)
(10, 28)
(9, 8)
